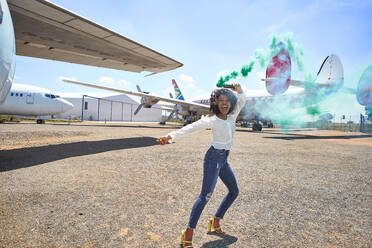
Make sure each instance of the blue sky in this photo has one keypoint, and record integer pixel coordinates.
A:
(209, 37)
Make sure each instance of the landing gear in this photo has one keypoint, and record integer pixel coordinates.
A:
(188, 121)
(191, 118)
(245, 124)
(257, 127)
(270, 125)
(40, 121)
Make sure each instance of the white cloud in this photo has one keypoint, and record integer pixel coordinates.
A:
(186, 78)
(123, 83)
(107, 80)
(221, 74)
(191, 85)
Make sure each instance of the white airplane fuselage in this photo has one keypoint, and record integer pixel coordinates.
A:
(29, 100)
(7, 51)
(18, 99)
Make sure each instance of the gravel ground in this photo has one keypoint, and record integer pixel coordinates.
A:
(91, 185)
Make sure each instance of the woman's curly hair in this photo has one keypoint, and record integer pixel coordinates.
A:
(214, 96)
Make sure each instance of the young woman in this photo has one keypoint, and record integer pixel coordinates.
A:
(225, 107)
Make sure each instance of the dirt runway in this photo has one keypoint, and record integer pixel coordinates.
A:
(95, 185)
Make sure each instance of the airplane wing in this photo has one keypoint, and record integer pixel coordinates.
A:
(45, 30)
(304, 84)
(192, 106)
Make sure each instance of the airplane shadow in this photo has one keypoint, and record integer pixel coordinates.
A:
(224, 242)
(31, 156)
(309, 137)
(120, 125)
(284, 131)
(101, 125)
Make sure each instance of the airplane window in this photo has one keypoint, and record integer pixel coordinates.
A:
(47, 95)
(57, 96)
(12, 94)
(52, 96)
(21, 94)
(16, 94)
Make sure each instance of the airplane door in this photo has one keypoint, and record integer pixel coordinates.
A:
(30, 98)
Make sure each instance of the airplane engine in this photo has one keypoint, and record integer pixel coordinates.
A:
(364, 89)
(279, 71)
(331, 73)
(147, 102)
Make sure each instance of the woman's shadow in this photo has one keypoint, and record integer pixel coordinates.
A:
(224, 242)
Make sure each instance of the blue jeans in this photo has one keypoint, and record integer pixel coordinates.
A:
(215, 165)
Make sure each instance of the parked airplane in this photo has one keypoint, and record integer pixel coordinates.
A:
(29, 100)
(38, 28)
(329, 80)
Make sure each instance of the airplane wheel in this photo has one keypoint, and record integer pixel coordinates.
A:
(40, 121)
(259, 128)
(244, 124)
(256, 127)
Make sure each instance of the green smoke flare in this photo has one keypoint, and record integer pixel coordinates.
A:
(262, 57)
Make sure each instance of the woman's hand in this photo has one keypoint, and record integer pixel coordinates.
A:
(163, 140)
(237, 88)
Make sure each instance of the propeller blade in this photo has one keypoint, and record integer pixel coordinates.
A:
(138, 109)
(138, 88)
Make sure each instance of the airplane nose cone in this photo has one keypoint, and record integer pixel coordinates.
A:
(66, 105)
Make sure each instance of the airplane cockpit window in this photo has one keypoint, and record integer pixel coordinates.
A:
(57, 96)
(51, 96)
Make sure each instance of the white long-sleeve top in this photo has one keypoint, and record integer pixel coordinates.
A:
(223, 130)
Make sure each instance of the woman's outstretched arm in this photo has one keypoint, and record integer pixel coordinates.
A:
(197, 126)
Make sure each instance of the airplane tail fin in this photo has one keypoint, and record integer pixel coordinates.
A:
(278, 73)
(330, 75)
(177, 91)
(364, 90)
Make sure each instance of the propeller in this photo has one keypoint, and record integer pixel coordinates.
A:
(138, 109)
(140, 91)
(142, 99)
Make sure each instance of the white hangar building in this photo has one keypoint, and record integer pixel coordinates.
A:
(111, 108)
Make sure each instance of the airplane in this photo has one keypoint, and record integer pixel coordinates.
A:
(329, 80)
(41, 29)
(27, 100)
(188, 114)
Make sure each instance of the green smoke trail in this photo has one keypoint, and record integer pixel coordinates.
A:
(243, 72)
(282, 109)
(262, 57)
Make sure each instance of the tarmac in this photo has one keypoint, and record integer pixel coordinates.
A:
(111, 185)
